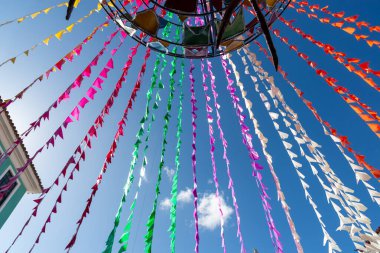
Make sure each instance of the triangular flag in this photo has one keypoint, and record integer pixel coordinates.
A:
(70, 27)
(59, 34)
(46, 41)
(47, 10)
(35, 14)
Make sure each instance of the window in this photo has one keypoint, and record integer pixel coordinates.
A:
(4, 180)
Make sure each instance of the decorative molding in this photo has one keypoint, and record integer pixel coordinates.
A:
(19, 156)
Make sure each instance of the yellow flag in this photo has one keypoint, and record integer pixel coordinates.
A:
(20, 19)
(46, 41)
(59, 34)
(26, 52)
(99, 7)
(47, 10)
(70, 27)
(76, 3)
(35, 14)
(13, 60)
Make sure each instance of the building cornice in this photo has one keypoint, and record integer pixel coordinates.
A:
(20, 156)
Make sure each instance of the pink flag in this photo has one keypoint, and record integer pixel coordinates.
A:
(75, 113)
(110, 63)
(98, 82)
(77, 82)
(78, 49)
(91, 93)
(87, 71)
(67, 122)
(104, 72)
(82, 103)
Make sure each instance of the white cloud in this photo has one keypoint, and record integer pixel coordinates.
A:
(183, 197)
(169, 172)
(165, 204)
(208, 211)
(208, 208)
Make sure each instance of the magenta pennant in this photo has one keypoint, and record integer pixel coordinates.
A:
(87, 71)
(77, 82)
(82, 103)
(45, 115)
(104, 73)
(78, 50)
(98, 83)
(67, 121)
(92, 131)
(91, 93)
(124, 34)
(95, 61)
(75, 113)
(63, 97)
(59, 133)
(50, 142)
(110, 63)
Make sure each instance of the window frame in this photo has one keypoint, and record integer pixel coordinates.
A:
(4, 204)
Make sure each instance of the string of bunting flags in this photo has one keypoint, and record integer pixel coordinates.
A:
(179, 81)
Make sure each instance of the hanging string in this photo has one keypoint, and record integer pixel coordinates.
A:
(247, 141)
(339, 25)
(341, 142)
(92, 132)
(174, 188)
(225, 156)
(341, 16)
(46, 41)
(79, 151)
(288, 147)
(212, 154)
(34, 14)
(56, 67)
(369, 116)
(193, 153)
(113, 147)
(135, 153)
(66, 95)
(360, 158)
(354, 208)
(150, 224)
(268, 157)
(340, 57)
(52, 140)
(125, 236)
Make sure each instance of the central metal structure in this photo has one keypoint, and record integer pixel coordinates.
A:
(192, 28)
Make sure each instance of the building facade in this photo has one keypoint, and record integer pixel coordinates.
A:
(28, 182)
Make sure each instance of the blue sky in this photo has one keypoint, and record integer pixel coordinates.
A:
(92, 236)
